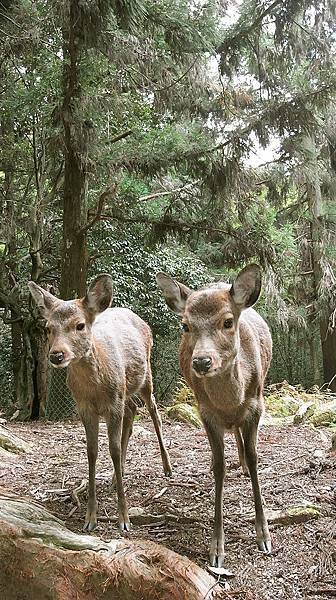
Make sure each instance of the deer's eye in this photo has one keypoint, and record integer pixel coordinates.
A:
(184, 327)
(80, 326)
(228, 323)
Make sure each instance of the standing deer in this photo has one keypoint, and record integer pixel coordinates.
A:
(107, 352)
(225, 353)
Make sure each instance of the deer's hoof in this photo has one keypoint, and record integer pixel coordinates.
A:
(124, 526)
(89, 525)
(216, 560)
(216, 554)
(168, 471)
(265, 545)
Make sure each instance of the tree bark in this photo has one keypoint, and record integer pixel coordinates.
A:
(29, 342)
(31, 368)
(76, 137)
(42, 559)
(328, 341)
(317, 223)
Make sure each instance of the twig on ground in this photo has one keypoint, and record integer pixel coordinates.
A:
(79, 490)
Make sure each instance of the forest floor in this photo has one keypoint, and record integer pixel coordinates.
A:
(295, 468)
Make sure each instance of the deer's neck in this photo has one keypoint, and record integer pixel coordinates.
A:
(89, 368)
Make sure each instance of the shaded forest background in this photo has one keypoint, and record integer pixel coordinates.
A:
(190, 137)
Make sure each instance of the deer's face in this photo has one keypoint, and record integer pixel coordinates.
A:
(210, 327)
(69, 333)
(69, 322)
(210, 317)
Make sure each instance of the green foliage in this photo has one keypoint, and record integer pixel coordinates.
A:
(183, 394)
(168, 140)
(6, 373)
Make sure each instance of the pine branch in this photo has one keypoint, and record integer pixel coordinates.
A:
(241, 34)
(170, 224)
(274, 110)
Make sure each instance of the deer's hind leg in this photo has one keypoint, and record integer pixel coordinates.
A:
(241, 451)
(146, 394)
(114, 422)
(250, 435)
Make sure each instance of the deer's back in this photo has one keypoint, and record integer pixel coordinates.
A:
(121, 329)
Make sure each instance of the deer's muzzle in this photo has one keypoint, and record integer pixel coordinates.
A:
(202, 364)
(56, 358)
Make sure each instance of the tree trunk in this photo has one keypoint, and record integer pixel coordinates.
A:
(328, 338)
(76, 137)
(41, 559)
(314, 355)
(29, 342)
(328, 341)
(317, 223)
(31, 369)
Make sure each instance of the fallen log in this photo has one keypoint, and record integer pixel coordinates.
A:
(41, 558)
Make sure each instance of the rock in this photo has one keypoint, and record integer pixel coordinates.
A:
(325, 414)
(291, 514)
(186, 413)
(11, 443)
(281, 405)
(141, 432)
(304, 411)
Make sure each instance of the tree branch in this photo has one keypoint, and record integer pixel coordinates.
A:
(168, 192)
(100, 205)
(121, 136)
(170, 224)
(248, 28)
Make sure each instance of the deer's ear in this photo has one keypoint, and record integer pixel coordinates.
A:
(44, 300)
(99, 294)
(175, 293)
(246, 288)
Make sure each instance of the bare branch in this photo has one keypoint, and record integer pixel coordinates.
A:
(100, 205)
(168, 192)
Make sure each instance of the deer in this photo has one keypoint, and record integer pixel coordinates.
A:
(225, 353)
(107, 354)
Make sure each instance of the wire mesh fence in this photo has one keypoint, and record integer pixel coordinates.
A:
(60, 404)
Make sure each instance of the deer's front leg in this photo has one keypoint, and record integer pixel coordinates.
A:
(114, 428)
(250, 435)
(216, 439)
(91, 424)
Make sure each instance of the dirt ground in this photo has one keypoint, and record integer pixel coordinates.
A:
(295, 469)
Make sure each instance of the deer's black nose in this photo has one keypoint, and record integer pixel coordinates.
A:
(202, 364)
(56, 357)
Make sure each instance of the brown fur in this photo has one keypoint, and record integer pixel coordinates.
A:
(108, 362)
(229, 392)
